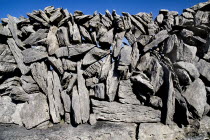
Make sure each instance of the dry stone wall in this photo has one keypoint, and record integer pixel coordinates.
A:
(75, 68)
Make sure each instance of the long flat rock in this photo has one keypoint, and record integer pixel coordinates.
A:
(117, 112)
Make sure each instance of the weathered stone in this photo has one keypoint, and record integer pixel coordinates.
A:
(195, 95)
(66, 101)
(33, 55)
(117, 112)
(7, 67)
(160, 18)
(68, 81)
(6, 55)
(112, 82)
(52, 40)
(107, 37)
(14, 81)
(125, 93)
(203, 68)
(156, 102)
(69, 65)
(92, 119)
(34, 17)
(142, 79)
(125, 56)
(94, 55)
(189, 67)
(183, 76)
(85, 34)
(134, 55)
(35, 111)
(62, 36)
(79, 49)
(83, 95)
(35, 37)
(91, 81)
(105, 131)
(62, 52)
(118, 43)
(57, 64)
(76, 34)
(93, 70)
(17, 55)
(28, 84)
(170, 43)
(7, 109)
(39, 73)
(54, 90)
(159, 37)
(18, 94)
(158, 131)
(99, 90)
(105, 67)
(76, 107)
(56, 16)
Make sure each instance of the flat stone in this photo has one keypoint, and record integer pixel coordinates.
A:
(69, 65)
(107, 37)
(32, 55)
(28, 84)
(39, 73)
(57, 64)
(85, 34)
(18, 94)
(125, 55)
(79, 49)
(94, 55)
(63, 36)
(117, 112)
(203, 68)
(35, 111)
(18, 56)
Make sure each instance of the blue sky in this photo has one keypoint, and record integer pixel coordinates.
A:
(21, 7)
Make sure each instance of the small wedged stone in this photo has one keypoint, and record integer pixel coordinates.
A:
(32, 55)
(91, 81)
(117, 112)
(69, 65)
(63, 36)
(93, 69)
(62, 52)
(35, 112)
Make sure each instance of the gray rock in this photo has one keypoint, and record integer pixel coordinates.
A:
(92, 119)
(112, 82)
(195, 95)
(7, 67)
(160, 18)
(106, 65)
(125, 56)
(170, 43)
(66, 101)
(117, 112)
(32, 55)
(105, 131)
(79, 49)
(68, 81)
(107, 37)
(52, 40)
(159, 37)
(156, 102)
(125, 93)
(189, 67)
(54, 91)
(17, 55)
(91, 81)
(94, 55)
(118, 38)
(93, 69)
(39, 73)
(63, 36)
(35, 111)
(34, 17)
(134, 55)
(57, 64)
(99, 90)
(6, 55)
(158, 131)
(85, 34)
(142, 79)
(28, 84)
(62, 52)
(14, 81)
(76, 34)
(83, 95)
(69, 65)
(35, 37)
(203, 68)
(56, 16)
(18, 94)
(7, 109)
(183, 76)
(76, 107)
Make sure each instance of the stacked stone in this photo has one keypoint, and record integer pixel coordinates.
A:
(80, 68)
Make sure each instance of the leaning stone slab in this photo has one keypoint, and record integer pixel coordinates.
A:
(117, 112)
(32, 55)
